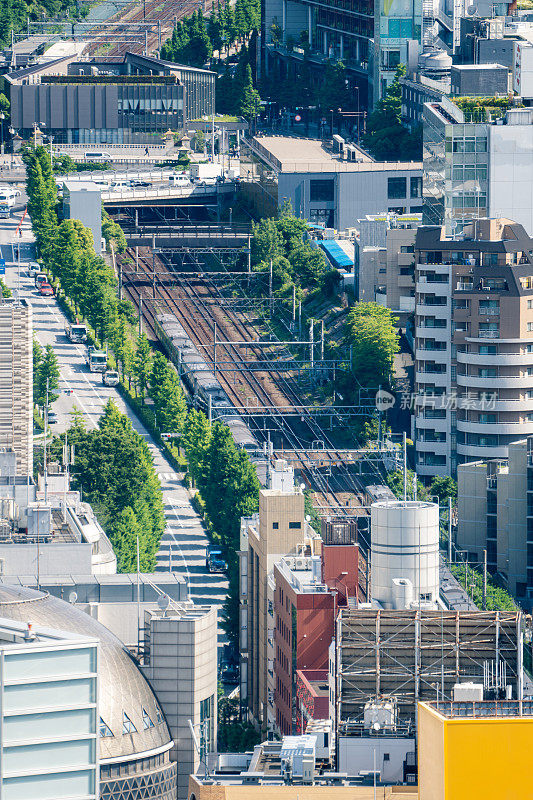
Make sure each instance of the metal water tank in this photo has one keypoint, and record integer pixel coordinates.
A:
(404, 544)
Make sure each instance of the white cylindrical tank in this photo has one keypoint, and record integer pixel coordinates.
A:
(404, 544)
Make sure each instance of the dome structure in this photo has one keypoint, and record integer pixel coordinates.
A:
(131, 721)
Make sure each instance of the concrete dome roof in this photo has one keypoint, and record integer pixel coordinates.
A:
(123, 688)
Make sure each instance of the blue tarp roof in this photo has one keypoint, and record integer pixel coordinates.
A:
(336, 254)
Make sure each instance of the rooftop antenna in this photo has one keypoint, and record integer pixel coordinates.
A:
(201, 746)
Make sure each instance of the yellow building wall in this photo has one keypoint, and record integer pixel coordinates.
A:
(431, 733)
(466, 759)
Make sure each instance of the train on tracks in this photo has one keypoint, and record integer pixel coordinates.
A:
(202, 383)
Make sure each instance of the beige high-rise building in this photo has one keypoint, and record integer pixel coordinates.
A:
(495, 513)
(16, 382)
(280, 528)
(474, 343)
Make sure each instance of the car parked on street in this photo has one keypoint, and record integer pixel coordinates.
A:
(46, 290)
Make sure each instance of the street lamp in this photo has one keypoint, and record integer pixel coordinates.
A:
(2, 118)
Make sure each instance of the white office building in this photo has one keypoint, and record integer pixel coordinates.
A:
(477, 165)
(48, 713)
(79, 720)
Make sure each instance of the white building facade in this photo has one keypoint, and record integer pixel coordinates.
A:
(49, 714)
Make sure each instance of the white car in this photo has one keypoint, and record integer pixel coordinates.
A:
(33, 269)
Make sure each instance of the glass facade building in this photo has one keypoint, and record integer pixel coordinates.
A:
(133, 102)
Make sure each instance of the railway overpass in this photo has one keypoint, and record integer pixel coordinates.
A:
(196, 236)
(166, 195)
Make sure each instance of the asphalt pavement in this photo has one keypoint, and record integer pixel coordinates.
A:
(184, 541)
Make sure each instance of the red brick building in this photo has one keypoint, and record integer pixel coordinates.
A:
(308, 593)
(312, 693)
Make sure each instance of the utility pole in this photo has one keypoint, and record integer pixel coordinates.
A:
(140, 314)
(300, 319)
(45, 465)
(270, 285)
(249, 255)
(215, 348)
(322, 340)
(312, 343)
(449, 530)
(404, 467)
(294, 307)
(484, 604)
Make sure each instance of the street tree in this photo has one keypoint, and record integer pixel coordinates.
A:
(173, 411)
(195, 442)
(142, 365)
(48, 372)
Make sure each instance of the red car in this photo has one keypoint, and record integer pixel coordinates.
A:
(46, 290)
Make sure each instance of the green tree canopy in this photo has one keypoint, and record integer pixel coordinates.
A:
(372, 334)
(386, 138)
(48, 371)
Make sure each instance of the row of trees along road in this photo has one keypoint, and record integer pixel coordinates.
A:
(223, 473)
(66, 250)
(114, 469)
(229, 489)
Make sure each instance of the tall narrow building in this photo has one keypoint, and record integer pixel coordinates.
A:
(16, 382)
(474, 343)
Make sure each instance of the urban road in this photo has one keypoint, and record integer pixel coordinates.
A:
(184, 541)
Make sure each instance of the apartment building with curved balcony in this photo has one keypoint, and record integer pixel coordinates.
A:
(474, 343)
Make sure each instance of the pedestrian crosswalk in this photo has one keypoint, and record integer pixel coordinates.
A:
(165, 477)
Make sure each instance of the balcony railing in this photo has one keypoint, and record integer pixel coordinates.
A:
(488, 334)
(489, 312)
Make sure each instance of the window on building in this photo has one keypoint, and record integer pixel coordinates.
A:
(127, 724)
(295, 525)
(530, 304)
(397, 188)
(275, 526)
(322, 190)
(147, 720)
(530, 326)
(416, 187)
(105, 730)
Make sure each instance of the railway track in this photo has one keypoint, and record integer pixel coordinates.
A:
(265, 388)
(151, 11)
